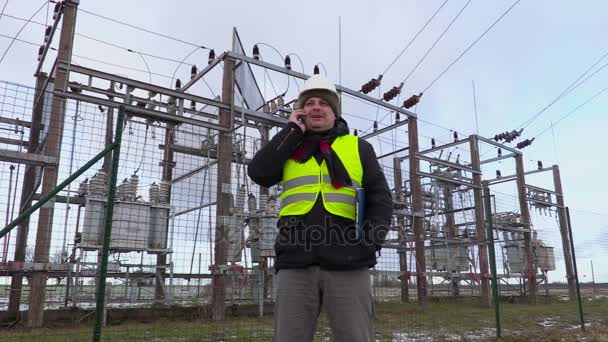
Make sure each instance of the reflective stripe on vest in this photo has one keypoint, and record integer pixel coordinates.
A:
(303, 182)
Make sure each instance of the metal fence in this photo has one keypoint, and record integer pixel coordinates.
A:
(127, 248)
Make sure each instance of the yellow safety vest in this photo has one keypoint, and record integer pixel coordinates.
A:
(303, 182)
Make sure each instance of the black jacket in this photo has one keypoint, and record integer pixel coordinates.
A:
(319, 237)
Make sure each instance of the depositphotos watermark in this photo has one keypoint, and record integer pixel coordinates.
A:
(295, 232)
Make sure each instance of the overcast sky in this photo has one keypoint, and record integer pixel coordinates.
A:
(522, 65)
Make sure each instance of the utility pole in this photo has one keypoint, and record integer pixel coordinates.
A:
(563, 230)
(401, 234)
(54, 138)
(417, 211)
(224, 194)
(480, 222)
(28, 189)
(525, 217)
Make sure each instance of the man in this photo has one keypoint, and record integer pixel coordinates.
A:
(321, 261)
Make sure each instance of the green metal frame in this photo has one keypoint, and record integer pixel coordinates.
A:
(105, 249)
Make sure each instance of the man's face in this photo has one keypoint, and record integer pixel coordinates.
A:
(319, 115)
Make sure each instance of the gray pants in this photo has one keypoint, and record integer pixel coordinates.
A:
(344, 295)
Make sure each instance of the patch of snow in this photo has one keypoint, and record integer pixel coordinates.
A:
(548, 322)
(412, 337)
(578, 326)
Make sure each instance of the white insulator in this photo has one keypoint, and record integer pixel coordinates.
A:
(98, 184)
(266, 107)
(263, 202)
(133, 186)
(83, 188)
(252, 203)
(281, 102)
(240, 198)
(154, 193)
(165, 191)
(273, 106)
(122, 190)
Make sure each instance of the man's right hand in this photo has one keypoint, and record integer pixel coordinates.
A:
(297, 117)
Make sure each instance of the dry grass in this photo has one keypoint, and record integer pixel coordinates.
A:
(445, 321)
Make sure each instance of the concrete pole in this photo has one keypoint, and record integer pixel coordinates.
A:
(417, 217)
(54, 138)
(480, 223)
(224, 194)
(563, 229)
(28, 189)
(401, 234)
(525, 217)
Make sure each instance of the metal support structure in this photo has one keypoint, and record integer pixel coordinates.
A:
(53, 148)
(353, 93)
(28, 188)
(578, 288)
(513, 177)
(449, 180)
(401, 234)
(417, 222)
(27, 158)
(107, 232)
(49, 41)
(482, 251)
(494, 143)
(563, 230)
(443, 147)
(22, 123)
(224, 193)
(495, 295)
(491, 160)
(92, 74)
(263, 263)
(437, 161)
(525, 218)
(384, 130)
(160, 294)
(203, 72)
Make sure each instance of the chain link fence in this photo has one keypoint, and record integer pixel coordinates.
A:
(168, 263)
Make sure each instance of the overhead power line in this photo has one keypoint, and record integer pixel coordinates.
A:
(141, 28)
(106, 42)
(572, 112)
(437, 41)
(20, 30)
(471, 46)
(566, 91)
(3, 8)
(415, 37)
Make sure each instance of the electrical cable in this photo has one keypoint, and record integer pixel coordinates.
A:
(571, 112)
(140, 28)
(415, 37)
(568, 90)
(437, 41)
(471, 46)
(20, 30)
(3, 8)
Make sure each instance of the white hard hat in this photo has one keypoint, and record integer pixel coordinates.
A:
(319, 86)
